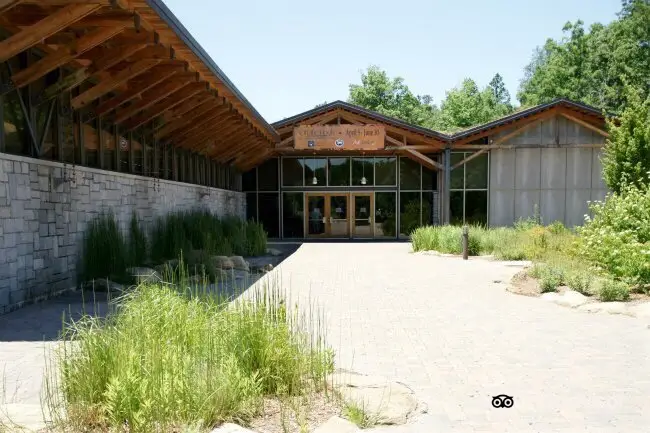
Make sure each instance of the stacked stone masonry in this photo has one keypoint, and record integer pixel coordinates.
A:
(45, 207)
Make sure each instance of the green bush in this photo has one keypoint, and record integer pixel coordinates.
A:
(164, 359)
(105, 253)
(137, 242)
(611, 290)
(550, 279)
(580, 281)
(256, 239)
(557, 228)
(617, 238)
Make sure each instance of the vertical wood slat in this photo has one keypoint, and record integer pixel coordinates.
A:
(131, 153)
(118, 147)
(76, 120)
(100, 142)
(156, 159)
(2, 125)
(145, 162)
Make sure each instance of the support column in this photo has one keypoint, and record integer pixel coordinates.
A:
(446, 187)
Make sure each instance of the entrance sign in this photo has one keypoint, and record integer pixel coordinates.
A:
(339, 137)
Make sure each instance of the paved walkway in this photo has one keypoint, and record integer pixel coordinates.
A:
(442, 326)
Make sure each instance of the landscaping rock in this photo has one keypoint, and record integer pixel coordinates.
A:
(337, 425)
(573, 299)
(273, 252)
(551, 296)
(239, 263)
(386, 402)
(605, 307)
(231, 428)
(103, 285)
(144, 275)
(222, 262)
(641, 311)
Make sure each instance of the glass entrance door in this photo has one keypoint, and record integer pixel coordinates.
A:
(338, 216)
(315, 216)
(362, 212)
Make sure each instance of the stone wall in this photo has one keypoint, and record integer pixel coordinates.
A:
(45, 206)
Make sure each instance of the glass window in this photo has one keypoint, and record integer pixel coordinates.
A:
(385, 213)
(409, 212)
(292, 171)
(267, 174)
(476, 207)
(315, 169)
(427, 208)
(409, 174)
(385, 171)
(293, 215)
(457, 173)
(249, 180)
(429, 179)
(456, 207)
(268, 203)
(339, 171)
(251, 206)
(362, 168)
(476, 172)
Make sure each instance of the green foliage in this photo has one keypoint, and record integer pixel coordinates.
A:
(611, 290)
(593, 66)
(105, 254)
(164, 359)
(580, 281)
(256, 239)
(463, 106)
(357, 414)
(137, 242)
(626, 158)
(557, 228)
(617, 238)
(550, 279)
(410, 218)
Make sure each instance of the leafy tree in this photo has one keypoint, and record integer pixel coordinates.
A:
(593, 66)
(498, 87)
(391, 97)
(626, 158)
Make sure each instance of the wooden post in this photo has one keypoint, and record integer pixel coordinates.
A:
(100, 141)
(131, 153)
(446, 188)
(465, 242)
(117, 146)
(143, 152)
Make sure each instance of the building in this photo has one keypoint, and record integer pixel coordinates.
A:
(112, 105)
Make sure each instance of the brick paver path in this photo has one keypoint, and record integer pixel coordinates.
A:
(447, 329)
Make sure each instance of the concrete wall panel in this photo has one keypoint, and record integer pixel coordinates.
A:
(548, 131)
(527, 175)
(525, 203)
(553, 168)
(578, 168)
(552, 205)
(502, 211)
(502, 169)
(597, 180)
(577, 206)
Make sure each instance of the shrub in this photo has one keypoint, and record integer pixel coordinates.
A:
(550, 279)
(580, 282)
(255, 239)
(611, 290)
(137, 242)
(164, 359)
(617, 237)
(557, 228)
(105, 253)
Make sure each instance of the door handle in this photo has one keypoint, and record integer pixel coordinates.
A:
(324, 220)
(370, 220)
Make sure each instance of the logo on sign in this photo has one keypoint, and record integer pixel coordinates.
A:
(123, 143)
(339, 142)
(311, 143)
(502, 400)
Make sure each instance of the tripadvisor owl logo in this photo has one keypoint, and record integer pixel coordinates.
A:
(339, 142)
(502, 400)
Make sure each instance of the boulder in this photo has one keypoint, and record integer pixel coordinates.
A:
(144, 275)
(222, 262)
(103, 285)
(384, 401)
(239, 263)
(572, 299)
(605, 307)
(337, 425)
(273, 252)
(231, 428)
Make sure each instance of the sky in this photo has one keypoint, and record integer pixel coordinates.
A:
(287, 56)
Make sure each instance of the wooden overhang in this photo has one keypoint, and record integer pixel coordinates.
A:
(132, 63)
(417, 142)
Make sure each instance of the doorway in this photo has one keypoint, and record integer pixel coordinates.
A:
(327, 215)
(362, 215)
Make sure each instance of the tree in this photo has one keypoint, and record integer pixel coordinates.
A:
(626, 159)
(593, 66)
(391, 97)
(498, 87)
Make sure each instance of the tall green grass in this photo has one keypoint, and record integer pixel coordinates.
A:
(166, 358)
(105, 252)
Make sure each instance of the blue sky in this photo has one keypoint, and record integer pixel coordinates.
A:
(287, 56)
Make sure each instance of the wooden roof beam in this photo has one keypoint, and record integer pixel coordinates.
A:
(207, 119)
(35, 33)
(6, 5)
(65, 54)
(423, 159)
(187, 118)
(115, 80)
(157, 75)
(581, 122)
(170, 102)
(242, 144)
(188, 109)
(150, 97)
(200, 136)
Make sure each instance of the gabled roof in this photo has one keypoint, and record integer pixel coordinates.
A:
(449, 138)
